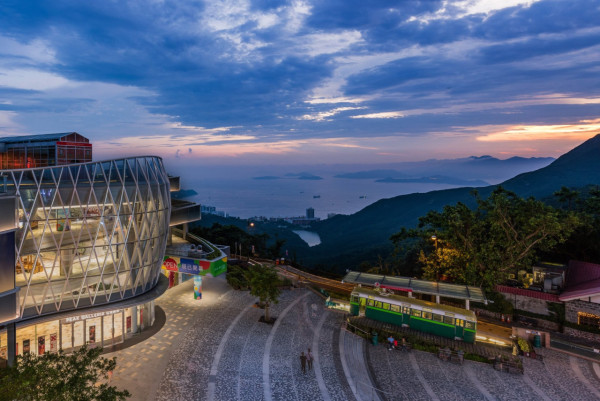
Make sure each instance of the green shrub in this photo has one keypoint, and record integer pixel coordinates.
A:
(477, 358)
(523, 344)
(498, 304)
(582, 327)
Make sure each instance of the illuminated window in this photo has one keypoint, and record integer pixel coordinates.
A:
(378, 304)
(395, 308)
(370, 302)
(438, 318)
(386, 306)
(448, 320)
(416, 312)
(470, 325)
(588, 319)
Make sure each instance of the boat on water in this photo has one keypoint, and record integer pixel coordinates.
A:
(363, 197)
(316, 196)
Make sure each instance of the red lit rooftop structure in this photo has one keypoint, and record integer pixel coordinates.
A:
(30, 151)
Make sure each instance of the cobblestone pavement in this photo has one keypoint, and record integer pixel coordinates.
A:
(419, 375)
(216, 349)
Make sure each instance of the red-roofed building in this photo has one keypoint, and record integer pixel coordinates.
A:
(582, 293)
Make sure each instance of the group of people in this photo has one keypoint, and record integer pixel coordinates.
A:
(306, 358)
(393, 343)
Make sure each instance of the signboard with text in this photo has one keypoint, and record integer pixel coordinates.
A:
(195, 266)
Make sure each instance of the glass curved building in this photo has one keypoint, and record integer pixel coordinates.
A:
(81, 256)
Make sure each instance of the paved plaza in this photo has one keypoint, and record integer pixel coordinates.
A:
(216, 349)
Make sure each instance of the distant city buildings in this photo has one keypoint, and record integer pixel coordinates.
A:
(310, 213)
(213, 210)
(303, 221)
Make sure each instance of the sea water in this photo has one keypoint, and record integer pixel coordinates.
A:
(241, 195)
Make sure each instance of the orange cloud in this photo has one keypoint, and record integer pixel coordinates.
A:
(581, 131)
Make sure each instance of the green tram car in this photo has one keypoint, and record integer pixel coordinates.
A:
(442, 320)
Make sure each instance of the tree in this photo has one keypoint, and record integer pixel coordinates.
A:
(566, 195)
(264, 284)
(481, 246)
(80, 376)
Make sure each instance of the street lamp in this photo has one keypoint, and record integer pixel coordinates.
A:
(434, 238)
(437, 273)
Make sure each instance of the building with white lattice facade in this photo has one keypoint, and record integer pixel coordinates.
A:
(81, 250)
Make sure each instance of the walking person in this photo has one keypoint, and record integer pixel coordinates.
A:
(309, 359)
(303, 362)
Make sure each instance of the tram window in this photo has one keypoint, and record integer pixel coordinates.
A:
(395, 308)
(469, 325)
(378, 304)
(448, 320)
(416, 312)
(406, 310)
(370, 302)
(354, 299)
(460, 322)
(427, 315)
(386, 306)
(437, 318)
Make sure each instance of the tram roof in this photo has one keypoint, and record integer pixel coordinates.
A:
(447, 290)
(413, 301)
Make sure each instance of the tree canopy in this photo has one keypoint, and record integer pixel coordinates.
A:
(264, 284)
(80, 376)
(481, 246)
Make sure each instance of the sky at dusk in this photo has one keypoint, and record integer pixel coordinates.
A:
(327, 81)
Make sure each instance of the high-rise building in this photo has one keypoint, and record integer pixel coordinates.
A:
(310, 213)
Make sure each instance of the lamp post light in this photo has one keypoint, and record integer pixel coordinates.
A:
(437, 271)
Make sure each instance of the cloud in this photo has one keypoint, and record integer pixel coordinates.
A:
(236, 77)
(323, 115)
(384, 114)
(581, 131)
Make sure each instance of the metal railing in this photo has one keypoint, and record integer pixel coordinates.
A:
(212, 253)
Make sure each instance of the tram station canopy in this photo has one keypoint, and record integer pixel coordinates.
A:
(397, 283)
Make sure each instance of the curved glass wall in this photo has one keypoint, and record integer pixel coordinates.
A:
(89, 233)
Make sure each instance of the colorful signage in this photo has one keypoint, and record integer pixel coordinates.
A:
(195, 266)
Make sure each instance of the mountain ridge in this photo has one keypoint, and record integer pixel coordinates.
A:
(369, 229)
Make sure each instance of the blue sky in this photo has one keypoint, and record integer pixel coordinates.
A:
(328, 81)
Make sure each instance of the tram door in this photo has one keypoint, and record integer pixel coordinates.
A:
(458, 328)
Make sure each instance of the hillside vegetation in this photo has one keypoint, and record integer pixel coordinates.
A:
(348, 241)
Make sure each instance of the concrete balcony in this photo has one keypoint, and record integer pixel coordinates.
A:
(184, 212)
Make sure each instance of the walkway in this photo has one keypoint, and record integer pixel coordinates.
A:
(418, 375)
(216, 349)
(352, 351)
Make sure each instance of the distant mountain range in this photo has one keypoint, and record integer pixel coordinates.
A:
(484, 169)
(298, 176)
(435, 179)
(348, 240)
